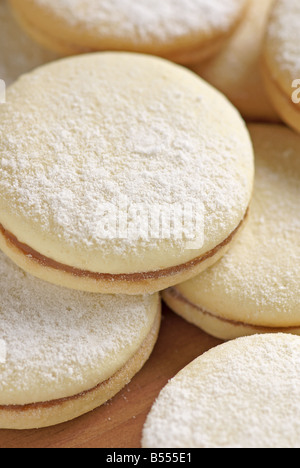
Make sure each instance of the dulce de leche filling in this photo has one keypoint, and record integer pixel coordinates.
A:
(50, 263)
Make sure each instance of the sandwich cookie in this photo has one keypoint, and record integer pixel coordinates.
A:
(181, 30)
(120, 173)
(281, 65)
(236, 70)
(255, 287)
(64, 353)
(241, 394)
(18, 53)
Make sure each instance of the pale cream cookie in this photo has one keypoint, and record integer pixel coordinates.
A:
(64, 353)
(281, 60)
(236, 69)
(18, 53)
(241, 394)
(255, 286)
(181, 30)
(120, 173)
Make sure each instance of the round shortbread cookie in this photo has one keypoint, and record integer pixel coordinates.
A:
(18, 53)
(255, 286)
(242, 394)
(236, 70)
(281, 64)
(112, 166)
(63, 352)
(181, 30)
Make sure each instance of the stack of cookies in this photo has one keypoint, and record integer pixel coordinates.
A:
(126, 177)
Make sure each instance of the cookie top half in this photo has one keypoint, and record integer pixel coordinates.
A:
(87, 142)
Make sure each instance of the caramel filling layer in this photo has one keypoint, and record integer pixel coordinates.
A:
(48, 262)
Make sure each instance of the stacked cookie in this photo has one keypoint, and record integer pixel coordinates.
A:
(131, 147)
(79, 138)
(183, 30)
(255, 286)
(65, 352)
(123, 175)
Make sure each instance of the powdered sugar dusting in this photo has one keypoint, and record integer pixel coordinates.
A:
(146, 20)
(91, 129)
(18, 53)
(243, 394)
(283, 36)
(60, 342)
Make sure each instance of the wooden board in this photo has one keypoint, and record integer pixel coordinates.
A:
(119, 423)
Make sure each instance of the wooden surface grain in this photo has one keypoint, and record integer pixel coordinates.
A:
(119, 423)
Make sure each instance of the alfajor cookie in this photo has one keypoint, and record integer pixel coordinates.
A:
(63, 352)
(255, 287)
(18, 53)
(241, 394)
(120, 173)
(236, 69)
(181, 30)
(281, 65)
